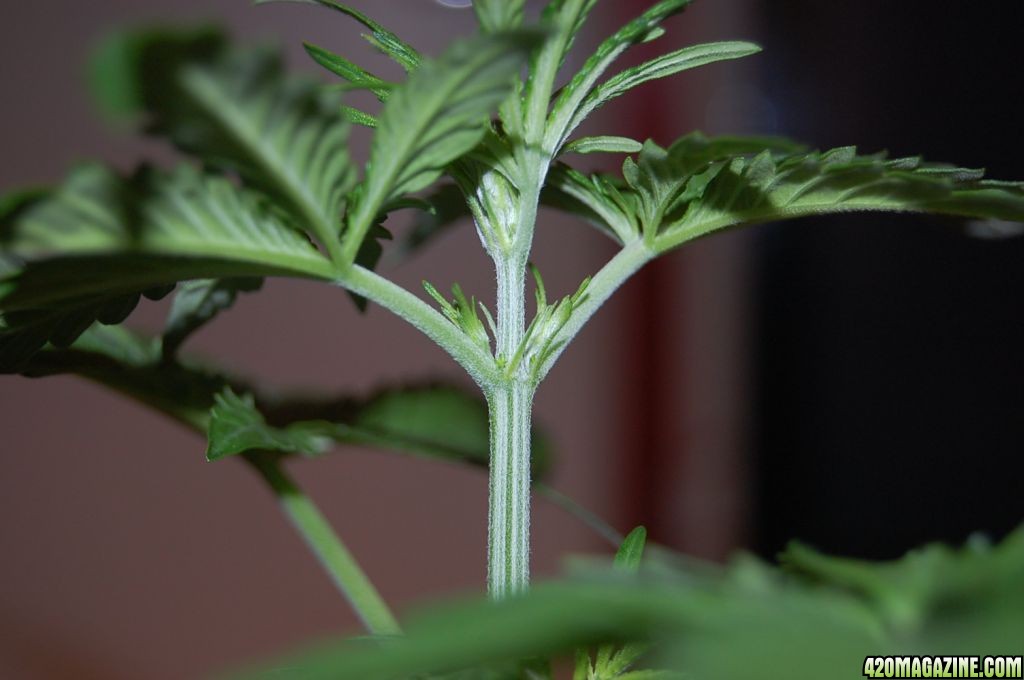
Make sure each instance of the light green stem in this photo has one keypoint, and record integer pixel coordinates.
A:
(478, 363)
(342, 567)
(508, 530)
(614, 273)
(509, 403)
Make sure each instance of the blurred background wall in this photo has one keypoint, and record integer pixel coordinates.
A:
(854, 382)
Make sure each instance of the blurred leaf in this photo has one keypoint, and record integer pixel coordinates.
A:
(612, 661)
(196, 303)
(464, 636)
(131, 364)
(380, 37)
(927, 582)
(748, 620)
(236, 426)
(632, 550)
(89, 249)
(499, 15)
(132, 70)
(239, 112)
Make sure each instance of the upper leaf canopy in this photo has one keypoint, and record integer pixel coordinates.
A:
(568, 100)
(499, 15)
(661, 67)
(237, 111)
(381, 38)
(439, 114)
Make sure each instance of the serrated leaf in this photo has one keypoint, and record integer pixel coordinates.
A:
(92, 247)
(570, 97)
(380, 37)
(236, 426)
(594, 198)
(436, 116)
(238, 111)
(196, 303)
(772, 186)
(357, 77)
(700, 185)
(661, 67)
(604, 144)
(499, 15)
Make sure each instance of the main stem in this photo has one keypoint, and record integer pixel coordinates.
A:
(510, 403)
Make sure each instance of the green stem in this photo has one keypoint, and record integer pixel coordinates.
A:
(478, 363)
(332, 553)
(509, 403)
(612, 275)
(575, 509)
(508, 522)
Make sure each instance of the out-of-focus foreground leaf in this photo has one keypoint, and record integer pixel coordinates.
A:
(749, 620)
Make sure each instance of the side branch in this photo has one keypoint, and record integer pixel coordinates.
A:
(479, 364)
(346, 573)
(612, 275)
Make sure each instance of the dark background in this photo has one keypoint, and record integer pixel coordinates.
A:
(890, 382)
(853, 382)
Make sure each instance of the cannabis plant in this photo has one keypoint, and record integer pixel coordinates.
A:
(272, 191)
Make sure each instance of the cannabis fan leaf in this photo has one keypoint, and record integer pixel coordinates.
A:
(88, 250)
(238, 111)
(700, 185)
